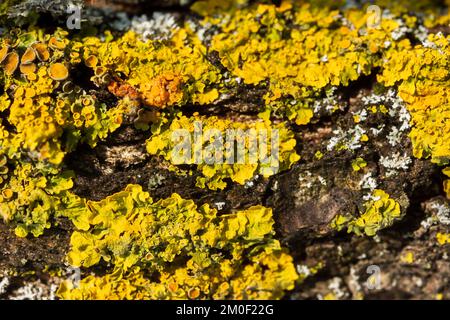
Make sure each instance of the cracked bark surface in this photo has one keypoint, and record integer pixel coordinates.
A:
(303, 205)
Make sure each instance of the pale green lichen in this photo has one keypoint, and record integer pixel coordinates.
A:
(295, 53)
(174, 249)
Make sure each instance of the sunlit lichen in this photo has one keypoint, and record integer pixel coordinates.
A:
(378, 213)
(422, 76)
(164, 74)
(42, 108)
(190, 250)
(443, 238)
(299, 50)
(31, 198)
(61, 90)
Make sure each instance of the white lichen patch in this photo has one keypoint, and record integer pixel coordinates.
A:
(219, 205)
(442, 214)
(361, 115)
(251, 183)
(155, 181)
(305, 179)
(303, 270)
(125, 156)
(396, 109)
(322, 180)
(395, 163)
(354, 284)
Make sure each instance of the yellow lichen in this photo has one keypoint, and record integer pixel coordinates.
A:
(11, 63)
(446, 171)
(424, 84)
(3, 52)
(443, 238)
(301, 58)
(380, 212)
(358, 164)
(42, 51)
(295, 53)
(407, 257)
(31, 198)
(164, 74)
(173, 249)
(58, 71)
(210, 143)
(28, 56)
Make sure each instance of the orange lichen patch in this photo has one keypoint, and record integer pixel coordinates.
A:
(3, 53)
(11, 63)
(91, 61)
(29, 56)
(58, 71)
(162, 91)
(31, 76)
(447, 188)
(28, 68)
(42, 51)
(56, 44)
(122, 90)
